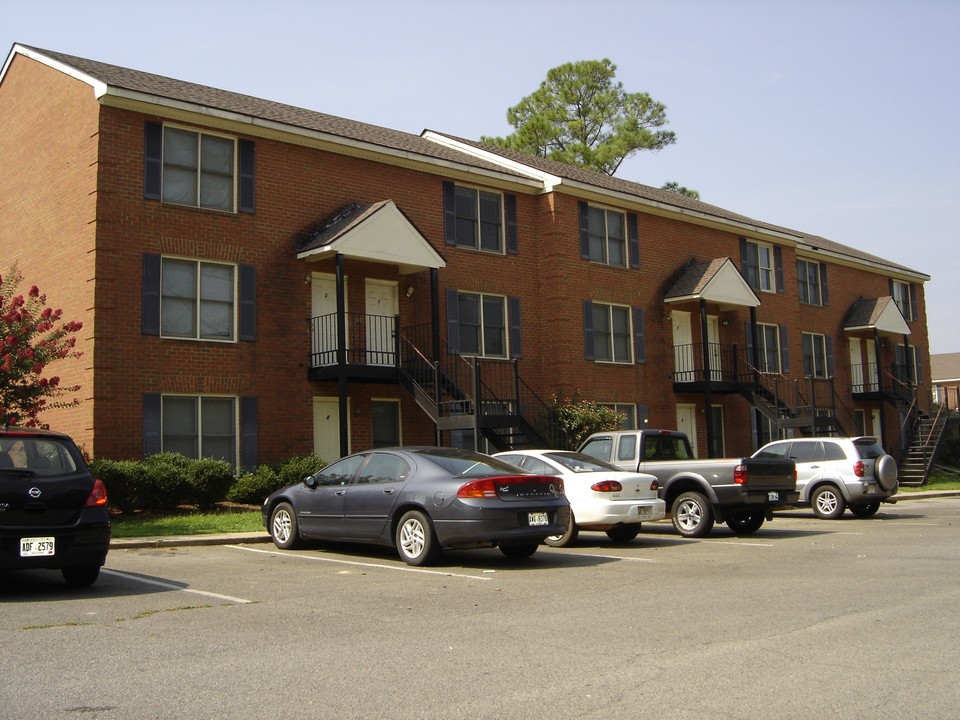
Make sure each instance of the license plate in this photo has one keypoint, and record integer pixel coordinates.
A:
(36, 546)
(773, 496)
(537, 518)
(644, 510)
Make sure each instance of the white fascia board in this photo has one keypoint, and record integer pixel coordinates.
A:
(547, 180)
(135, 100)
(99, 88)
(844, 259)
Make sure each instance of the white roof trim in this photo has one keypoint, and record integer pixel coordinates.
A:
(99, 88)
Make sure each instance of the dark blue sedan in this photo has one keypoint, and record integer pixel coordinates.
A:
(420, 500)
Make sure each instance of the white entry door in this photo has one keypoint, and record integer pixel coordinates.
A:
(682, 347)
(871, 367)
(326, 428)
(856, 365)
(713, 340)
(382, 309)
(323, 327)
(687, 423)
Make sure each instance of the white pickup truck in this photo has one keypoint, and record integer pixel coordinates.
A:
(742, 492)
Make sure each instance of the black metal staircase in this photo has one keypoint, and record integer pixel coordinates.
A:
(917, 460)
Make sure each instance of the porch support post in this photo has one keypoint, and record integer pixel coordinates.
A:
(707, 375)
(435, 313)
(342, 360)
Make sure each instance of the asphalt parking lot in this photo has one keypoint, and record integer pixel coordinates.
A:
(807, 618)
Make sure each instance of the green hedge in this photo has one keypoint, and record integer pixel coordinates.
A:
(165, 481)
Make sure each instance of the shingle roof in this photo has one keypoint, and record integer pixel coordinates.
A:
(336, 225)
(164, 87)
(945, 367)
(694, 278)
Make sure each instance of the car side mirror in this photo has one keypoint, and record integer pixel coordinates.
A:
(310, 481)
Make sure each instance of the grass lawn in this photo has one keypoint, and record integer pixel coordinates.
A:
(187, 523)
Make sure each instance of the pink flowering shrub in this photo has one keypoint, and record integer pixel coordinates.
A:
(32, 336)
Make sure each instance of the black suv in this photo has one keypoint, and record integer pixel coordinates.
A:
(53, 512)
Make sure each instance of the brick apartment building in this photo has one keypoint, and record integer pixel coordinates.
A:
(257, 280)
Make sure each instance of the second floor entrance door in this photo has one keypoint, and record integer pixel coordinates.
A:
(382, 308)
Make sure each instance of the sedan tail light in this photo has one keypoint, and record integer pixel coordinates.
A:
(607, 486)
(858, 468)
(513, 485)
(98, 496)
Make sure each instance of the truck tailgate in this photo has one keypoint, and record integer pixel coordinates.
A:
(770, 474)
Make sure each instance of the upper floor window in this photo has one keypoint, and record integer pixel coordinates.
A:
(768, 352)
(904, 296)
(197, 300)
(812, 282)
(198, 169)
(606, 236)
(479, 219)
(612, 339)
(483, 325)
(814, 355)
(762, 266)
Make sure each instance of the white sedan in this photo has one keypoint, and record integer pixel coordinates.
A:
(602, 497)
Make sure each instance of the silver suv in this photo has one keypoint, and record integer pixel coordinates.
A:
(834, 473)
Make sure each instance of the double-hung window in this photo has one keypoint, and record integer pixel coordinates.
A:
(762, 266)
(197, 300)
(479, 219)
(483, 324)
(768, 352)
(612, 338)
(812, 282)
(606, 236)
(903, 296)
(200, 426)
(198, 169)
(814, 355)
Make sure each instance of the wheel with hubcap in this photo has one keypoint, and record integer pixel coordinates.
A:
(745, 522)
(415, 539)
(568, 537)
(283, 527)
(865, 511)
(519, 552)
(81, 575)
(692, 515)
(624, 533)
(827, 502)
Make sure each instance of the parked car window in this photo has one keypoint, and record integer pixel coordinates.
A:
(774, 451)
(578, 462)
(868, 448)
(832, 451)
(384, 468)
(43, 456)
(626, 450)
(804, 451)
(340, 473)
(538, 466)
(465, 462)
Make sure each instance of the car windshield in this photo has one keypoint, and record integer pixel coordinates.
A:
(468, 463)
(578, 462)
(868, 448)
(39, 455)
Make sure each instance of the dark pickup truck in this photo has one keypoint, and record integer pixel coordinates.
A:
(742, 492)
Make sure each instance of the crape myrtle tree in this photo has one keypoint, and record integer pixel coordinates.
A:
(32, 335)
(581, 116)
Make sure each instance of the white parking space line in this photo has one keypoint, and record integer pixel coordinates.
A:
(739, 544)
(617, 557)
(337, 561)
(171, 586)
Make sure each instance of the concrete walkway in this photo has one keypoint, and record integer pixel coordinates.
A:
(261, 536)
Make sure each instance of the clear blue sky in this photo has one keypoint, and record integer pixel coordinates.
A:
(837, 117)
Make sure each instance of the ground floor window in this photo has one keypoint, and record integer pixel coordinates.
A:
(629, 410)
(200, 426)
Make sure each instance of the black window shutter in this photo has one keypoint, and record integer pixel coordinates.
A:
(830, 365)
(449, 214)
(890, 282)
(913, 302)
(516, 339)
(778, 267)
(643, 413)
(748, 333)
(588, 330)
(248, 434)
(824, 292)
(150, 296)
(784, 350)
(802, 281)
(152, 160)
(247, 184)
(152, 441)
(633, 234)
(584, 231)
(750, 263)
(453, 320)
(919, 368)
(510, 209)
(640, 345)
(248, 303)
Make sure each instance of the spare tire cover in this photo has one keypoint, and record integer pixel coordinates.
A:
(886, 472)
